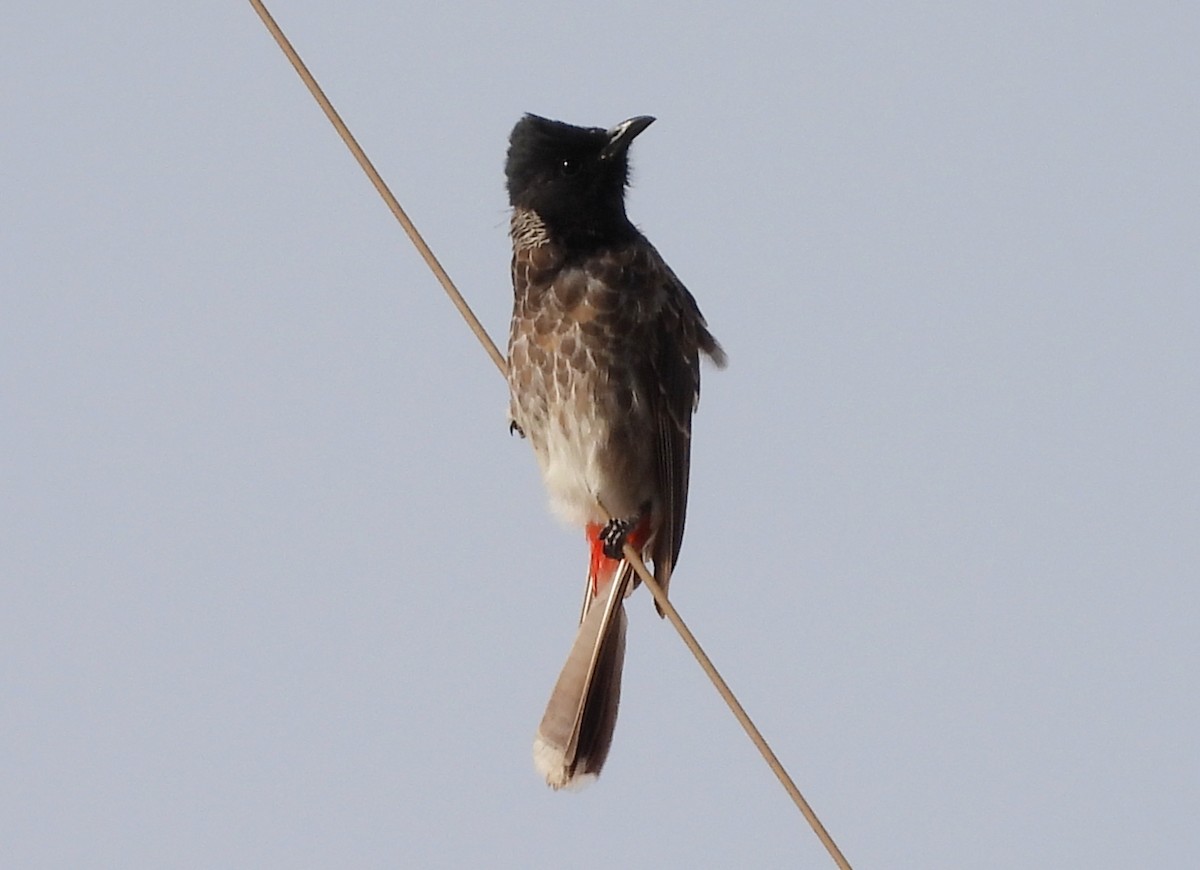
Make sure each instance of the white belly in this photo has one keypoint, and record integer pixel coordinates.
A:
(571, 469)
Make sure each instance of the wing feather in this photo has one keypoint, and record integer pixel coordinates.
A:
(677, 336)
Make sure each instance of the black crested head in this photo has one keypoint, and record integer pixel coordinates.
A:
(574, 178)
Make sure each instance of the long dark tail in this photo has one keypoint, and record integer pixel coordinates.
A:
(576, 731)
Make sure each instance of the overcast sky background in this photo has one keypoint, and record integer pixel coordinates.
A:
(279, 590)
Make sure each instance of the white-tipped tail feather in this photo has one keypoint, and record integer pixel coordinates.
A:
(551, 763)
(576, 731)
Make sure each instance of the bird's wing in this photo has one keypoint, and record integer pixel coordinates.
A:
(676, 334)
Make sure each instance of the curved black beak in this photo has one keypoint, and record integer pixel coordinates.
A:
(621, 136)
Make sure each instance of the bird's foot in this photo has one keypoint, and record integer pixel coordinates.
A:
(513, 427)
(613, 536)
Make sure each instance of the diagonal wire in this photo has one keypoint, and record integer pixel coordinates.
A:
(377, 180)
(736, 708)
(633, 557)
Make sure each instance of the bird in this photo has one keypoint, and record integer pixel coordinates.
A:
(604, 376)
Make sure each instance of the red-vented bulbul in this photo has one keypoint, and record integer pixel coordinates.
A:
(604, 374)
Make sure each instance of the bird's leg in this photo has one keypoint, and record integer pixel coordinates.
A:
(608, 546)
(613, 535)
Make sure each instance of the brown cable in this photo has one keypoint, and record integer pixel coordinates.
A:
(369, 168)
(630, 554)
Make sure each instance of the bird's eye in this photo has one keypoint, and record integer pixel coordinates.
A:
(568, 167)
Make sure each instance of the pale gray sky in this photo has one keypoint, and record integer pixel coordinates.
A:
(280, 591)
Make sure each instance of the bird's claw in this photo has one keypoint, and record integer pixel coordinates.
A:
(613, 535)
